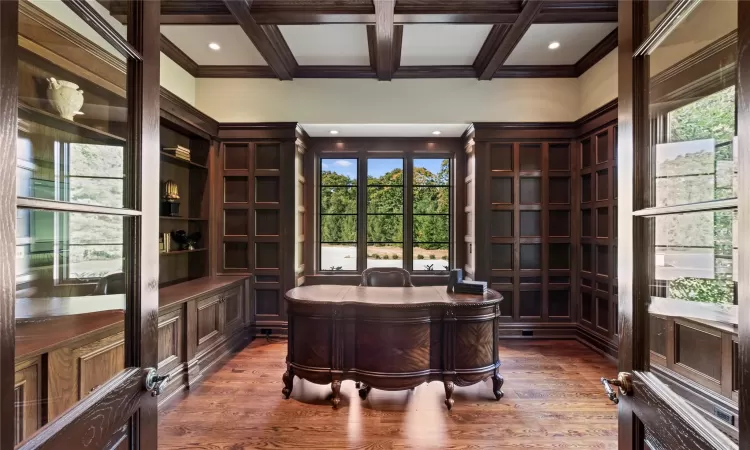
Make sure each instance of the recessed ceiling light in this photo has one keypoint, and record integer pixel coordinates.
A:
(436, 132)
(334, 131)
(214, 46)
(553, 45)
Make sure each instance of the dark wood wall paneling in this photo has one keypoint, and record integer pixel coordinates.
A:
(257, 186)
(524, 227)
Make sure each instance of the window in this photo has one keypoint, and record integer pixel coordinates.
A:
(372, 215)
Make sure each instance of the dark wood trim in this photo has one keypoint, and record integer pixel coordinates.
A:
(235, 72)
(598, 118)
(709, 69)
(485, 131)
(743, 227)
(493, 41)
(259, 130)
(268, 48)
(384, 39)
(93, 19)
(500, 44)
(279, 44)
(8, 136)
(596, 54)
(371, 44)
(596, 342)
(178, 56)
(363, 146)
(398, 41)
(142, 310)
(292, 13)
(403, 72)
(187, 113)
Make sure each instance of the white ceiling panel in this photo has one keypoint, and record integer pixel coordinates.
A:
(328, 45)
(384, 130)
(575, 39)
(236, 47)
(435, 44)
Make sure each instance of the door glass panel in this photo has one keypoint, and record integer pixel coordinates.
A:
(692, 107)
(73, 269)
(693, 255)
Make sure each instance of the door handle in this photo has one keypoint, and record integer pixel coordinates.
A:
(154, 382)
(623, 381)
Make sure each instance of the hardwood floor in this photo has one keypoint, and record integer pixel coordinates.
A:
(553, 399)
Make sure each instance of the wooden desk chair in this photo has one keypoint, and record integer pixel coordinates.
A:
(386, 277)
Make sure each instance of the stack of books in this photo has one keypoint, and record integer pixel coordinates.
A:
(470, 287)
(165, 242)
(178, 152)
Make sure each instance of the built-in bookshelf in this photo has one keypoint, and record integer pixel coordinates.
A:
(178, 263)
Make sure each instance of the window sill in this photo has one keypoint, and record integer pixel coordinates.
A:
(354, 279)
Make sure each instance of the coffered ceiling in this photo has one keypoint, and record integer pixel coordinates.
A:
(385, 39)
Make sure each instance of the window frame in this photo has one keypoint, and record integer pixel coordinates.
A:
(408, 213)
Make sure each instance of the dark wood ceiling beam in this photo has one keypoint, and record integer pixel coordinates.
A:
(268, 46)
(384, 38)
(600, 50)
(503, 39)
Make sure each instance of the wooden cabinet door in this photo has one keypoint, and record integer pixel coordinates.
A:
(170, 339)
(27, 395)
(210, 322)
(233, 311)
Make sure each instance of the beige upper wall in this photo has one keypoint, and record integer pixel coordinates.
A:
(398, 101)
(598, 85)
(176, 79)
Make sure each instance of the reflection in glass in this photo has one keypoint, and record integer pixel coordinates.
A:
(693, 113)
(694, 256)
(338, 172)
(338, 257)
(385, 255)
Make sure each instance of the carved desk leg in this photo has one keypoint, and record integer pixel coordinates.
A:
(288, 379)
(336, 388)
(448, 393)
(497, 383)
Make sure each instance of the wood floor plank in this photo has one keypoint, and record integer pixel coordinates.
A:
(553, 401)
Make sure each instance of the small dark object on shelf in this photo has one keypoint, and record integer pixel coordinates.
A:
(186, 241)
(170, 205)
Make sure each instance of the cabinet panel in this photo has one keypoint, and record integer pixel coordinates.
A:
(170, 340)
(27, 396)
(74, 372)
(210, 322)
(232, 310)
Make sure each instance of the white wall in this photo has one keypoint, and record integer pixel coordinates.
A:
(398, 101)
(176, 79)
(598, 85)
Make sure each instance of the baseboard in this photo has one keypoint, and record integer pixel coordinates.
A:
(596, 342)
(531, 330)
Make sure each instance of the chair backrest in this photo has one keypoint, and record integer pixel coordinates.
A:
(386, 277)
(113, 283)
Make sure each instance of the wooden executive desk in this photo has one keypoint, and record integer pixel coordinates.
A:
(392, 338)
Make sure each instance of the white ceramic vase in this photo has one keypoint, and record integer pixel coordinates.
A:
(65, 97)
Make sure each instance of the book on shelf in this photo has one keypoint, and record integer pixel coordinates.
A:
(167, 239)
(178, 152)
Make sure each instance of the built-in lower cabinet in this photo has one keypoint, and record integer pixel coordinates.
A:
(200, 322)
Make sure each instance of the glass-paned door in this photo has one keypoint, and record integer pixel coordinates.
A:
(680, 346)
(83, 239)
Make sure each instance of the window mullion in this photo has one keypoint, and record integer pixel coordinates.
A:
(408, 250)
(361, 214)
